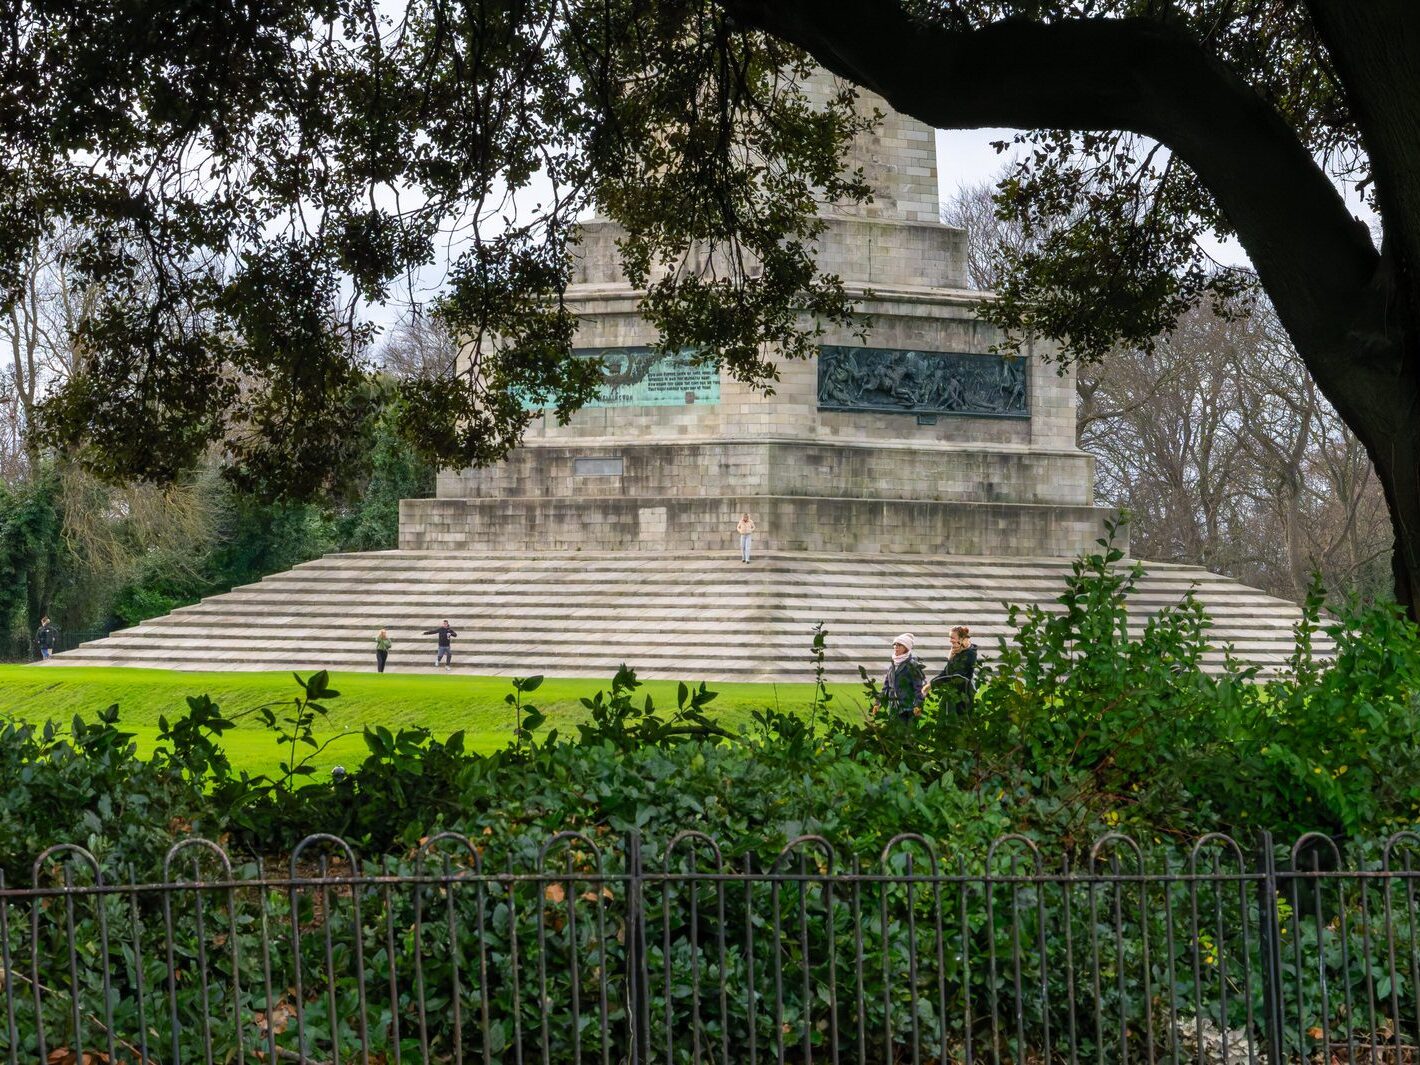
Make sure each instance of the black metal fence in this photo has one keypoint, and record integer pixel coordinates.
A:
(23, 648)
(597, 948)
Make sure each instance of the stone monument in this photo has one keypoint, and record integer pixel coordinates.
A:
(913, 439)
(908, 480)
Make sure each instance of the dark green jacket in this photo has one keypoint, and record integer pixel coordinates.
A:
(905, 686)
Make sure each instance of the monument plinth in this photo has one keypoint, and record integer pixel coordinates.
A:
(914, 438)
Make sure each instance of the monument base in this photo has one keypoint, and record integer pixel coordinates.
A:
(784, 523)
(674, 616)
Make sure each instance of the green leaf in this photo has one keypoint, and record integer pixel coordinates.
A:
(318, 685)
(373, 741)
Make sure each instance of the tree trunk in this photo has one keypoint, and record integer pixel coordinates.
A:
(1397, 463)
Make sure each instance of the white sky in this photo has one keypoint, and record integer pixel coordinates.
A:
(965, 157)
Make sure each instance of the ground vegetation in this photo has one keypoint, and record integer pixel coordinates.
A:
(1082, 724)
(94, 555)
(1085, 727)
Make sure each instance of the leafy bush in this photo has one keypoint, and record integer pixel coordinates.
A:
(1080, 724)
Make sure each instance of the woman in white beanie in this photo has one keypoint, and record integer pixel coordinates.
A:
(905, 682)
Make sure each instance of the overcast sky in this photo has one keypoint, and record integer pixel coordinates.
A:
(965, 157)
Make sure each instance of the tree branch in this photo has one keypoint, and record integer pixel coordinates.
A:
(1373, 46)
(1313, 257)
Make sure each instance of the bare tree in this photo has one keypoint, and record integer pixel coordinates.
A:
(1226, 453)
(1163, 425)
(419, 346)
(1313, 484)
(1218, 442)
(109, 533)
(35, 334)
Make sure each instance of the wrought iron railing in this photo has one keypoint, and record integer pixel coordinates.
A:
(597, 948)
(24, 648)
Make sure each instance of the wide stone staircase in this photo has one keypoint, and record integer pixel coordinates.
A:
(676, 616)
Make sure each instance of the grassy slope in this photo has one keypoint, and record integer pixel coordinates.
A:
(443, 703)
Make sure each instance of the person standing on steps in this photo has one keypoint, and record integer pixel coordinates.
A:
(383, 643)
(904, 684)
(46, 637)
(445, 653)
(746, 530)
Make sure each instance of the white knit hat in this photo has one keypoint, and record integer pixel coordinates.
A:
(906, 639)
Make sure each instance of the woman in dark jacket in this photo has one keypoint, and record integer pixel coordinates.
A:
(957, 680)
(905, 682)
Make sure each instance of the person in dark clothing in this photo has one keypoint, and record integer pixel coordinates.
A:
(47, 637)
(957, 680)
(905, 682)
(383, 643)
(445, 653)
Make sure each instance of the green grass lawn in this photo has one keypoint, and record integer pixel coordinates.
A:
(442, 703)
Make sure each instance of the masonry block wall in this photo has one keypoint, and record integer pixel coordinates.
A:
(677, 477)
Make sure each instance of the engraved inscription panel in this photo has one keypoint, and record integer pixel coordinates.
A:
(638, 377)
(598, 467)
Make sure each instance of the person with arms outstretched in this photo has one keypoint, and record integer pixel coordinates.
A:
(445, 652)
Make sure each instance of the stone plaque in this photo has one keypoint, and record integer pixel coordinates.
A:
(638, 377)
(921, 382)
(598, 467)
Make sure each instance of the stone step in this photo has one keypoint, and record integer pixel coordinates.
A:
(931, 644)
(924, 585)
(685, 666)
(570, 622)
(679, 615)
(765, 583)
(963, 574)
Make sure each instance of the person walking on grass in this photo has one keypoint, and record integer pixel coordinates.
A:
(383, 643)
(445, 652)
(904, 684)
(957, 680)
(46, 637)
(746, 530)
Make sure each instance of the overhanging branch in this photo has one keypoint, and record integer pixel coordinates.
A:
(1314, 258)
